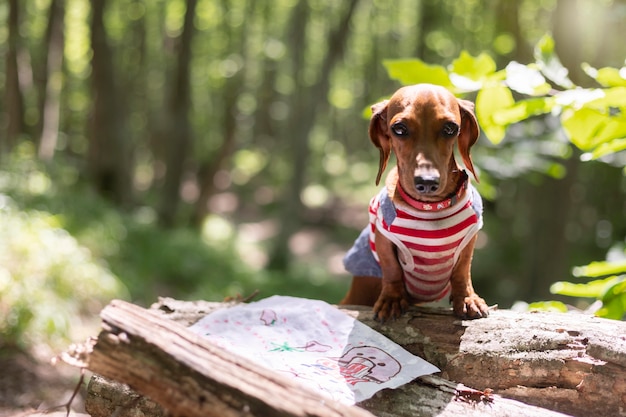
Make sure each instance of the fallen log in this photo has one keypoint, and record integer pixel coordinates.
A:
(534, 362)
(191, 377)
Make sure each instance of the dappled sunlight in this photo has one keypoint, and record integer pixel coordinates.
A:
(251, 239)
(186, 132)
(223, 203)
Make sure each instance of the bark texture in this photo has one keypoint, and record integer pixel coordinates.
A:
(536, 364)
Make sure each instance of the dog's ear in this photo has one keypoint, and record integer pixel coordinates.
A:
(469, 133)
(379, 135)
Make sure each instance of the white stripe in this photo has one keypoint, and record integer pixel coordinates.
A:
(434, 297)
(429, 268)
(429, 279)
(435, 242)
(435, 224)
(432, 255)
(427, 286)
(470, 234)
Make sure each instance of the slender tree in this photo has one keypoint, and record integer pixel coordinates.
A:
(109, 155)
(13, 92)
(51, 81)
(307, 103)
(230, 91)
(179, 134)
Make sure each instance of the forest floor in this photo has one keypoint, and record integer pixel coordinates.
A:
(31, 384)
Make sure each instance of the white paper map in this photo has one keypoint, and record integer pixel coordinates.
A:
(315, 343)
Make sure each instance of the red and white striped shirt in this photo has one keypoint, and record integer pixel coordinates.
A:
(429, 241)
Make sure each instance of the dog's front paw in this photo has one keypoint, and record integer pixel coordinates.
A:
(470, 307)
(391, 303)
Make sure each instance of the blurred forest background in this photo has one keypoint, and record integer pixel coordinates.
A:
(208, 148)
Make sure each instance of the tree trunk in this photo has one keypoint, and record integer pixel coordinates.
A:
(307, 103)
(51, 81)
(534, 363)
(179, 135)
(265, 94)
(109, 156)
(13, 92)
(568, 39)
(230, 92)
(507, 21)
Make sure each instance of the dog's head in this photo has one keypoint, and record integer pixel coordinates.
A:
(421, 124)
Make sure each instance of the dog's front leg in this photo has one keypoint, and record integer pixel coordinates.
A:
(465, 302)
(393, 298)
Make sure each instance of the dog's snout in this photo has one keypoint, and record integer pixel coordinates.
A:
(427, 184)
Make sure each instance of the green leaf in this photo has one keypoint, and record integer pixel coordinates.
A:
(608, 148)
(608, 76)
(589, 128)
(549, 63)
(555, 306)
(474, 68)
(489, 101)
(601, 268)
(415, 71)
(611, 97)
(614, 301)
(578, 97)
(615, 290)
(526, 79)
(615, 309)
(523, 109)
(591, 289)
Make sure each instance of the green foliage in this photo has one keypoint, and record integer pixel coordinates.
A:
(555, 306)
(413, 71)
(47, 278)
(611, 291)
(550, 64)
(593, 118)
(65, 252)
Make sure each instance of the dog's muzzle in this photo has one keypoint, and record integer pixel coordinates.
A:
(426, 184)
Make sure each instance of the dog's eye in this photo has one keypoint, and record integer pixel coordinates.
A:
(450, 130)
(399, 129)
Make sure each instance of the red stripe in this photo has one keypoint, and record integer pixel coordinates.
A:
(428, 283)
(432, 248)
(428, 295)
(434, 234)
(423, 272)
(418, 260)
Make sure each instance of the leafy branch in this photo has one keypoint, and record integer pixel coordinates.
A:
(593, 119)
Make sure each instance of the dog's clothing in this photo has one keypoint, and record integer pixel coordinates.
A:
(429, 240)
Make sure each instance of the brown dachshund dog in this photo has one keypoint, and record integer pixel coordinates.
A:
(423, 224)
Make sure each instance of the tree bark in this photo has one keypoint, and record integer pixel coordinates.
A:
(192, 377)
(179, 135)
(534, 362)
(51, 81)
(508, 22)
(109, 156)
(13, 92)
(307, 103)
(230, 92)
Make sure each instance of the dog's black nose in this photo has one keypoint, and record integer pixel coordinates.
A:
(426, 184)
